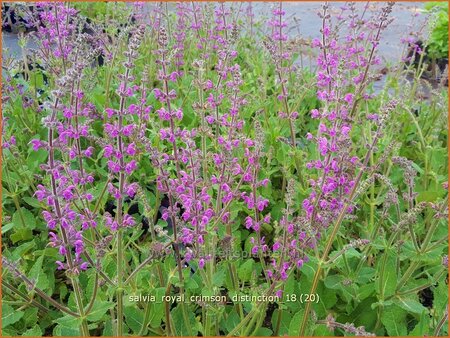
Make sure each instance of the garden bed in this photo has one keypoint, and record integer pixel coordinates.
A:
(202, 171)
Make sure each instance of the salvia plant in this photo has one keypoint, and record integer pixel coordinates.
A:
(179, 170)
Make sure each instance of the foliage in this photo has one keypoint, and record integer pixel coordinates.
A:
(438, 40)
(144, 169)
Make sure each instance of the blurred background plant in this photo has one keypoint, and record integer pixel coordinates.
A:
(438, 39)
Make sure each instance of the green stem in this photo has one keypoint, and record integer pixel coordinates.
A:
(234, 281)
(433, 226)
(435, 245)
(139, 268)
(407, 274)
(167, 311)
(251, 324)
(441, 323)
(84, 327)
(333, 235)
(100, 272)
(424, 286)
(119, 292)
(242, 323)
(145, 321)
(250, 315)
(381, 275)
(277, 327)
(342, 253)
(19, 210)
(57, 208)
(25, 297)
(260, 321)
(94, 296)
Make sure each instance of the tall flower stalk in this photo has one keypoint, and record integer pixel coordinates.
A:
(282, 59)
(121, 162)
(63, 194)
(168, 112)
(334, 193)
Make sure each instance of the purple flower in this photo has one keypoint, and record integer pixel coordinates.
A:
(131, 149)
(348, 98)
(37, 144)
(130, 167)
(262, 203)
(276, 246)
(201, 263)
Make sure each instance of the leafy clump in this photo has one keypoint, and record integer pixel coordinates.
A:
(438, 40)
(192, 169)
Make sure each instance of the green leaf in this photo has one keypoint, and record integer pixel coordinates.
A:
(365, 291)
(68, 331)
(285, 321)
(7, 227)
(31, 201)
(191, 284)
(394, 320)
(134, 318)
(218, 278)
(232, 321)
(9, 332)
(31, 316)
(108, 330)
(10, 315)
(35, 331)
(363, 314)
(263, 332)
(179, 322)
(309, 269)
(322, 330)
(245, 270)
(328, 298)
(98, 310)
(365, 275)
(428, 196)
(38, 275)
(350, 253)
(296, 321)
(334, 282)
(23, 234)
(441, 298)
(158, 308)
(69, 321)
(36, 158)
(387, 275)
(22, 250)
(410, 305)
(422, 328)
(24, 218)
